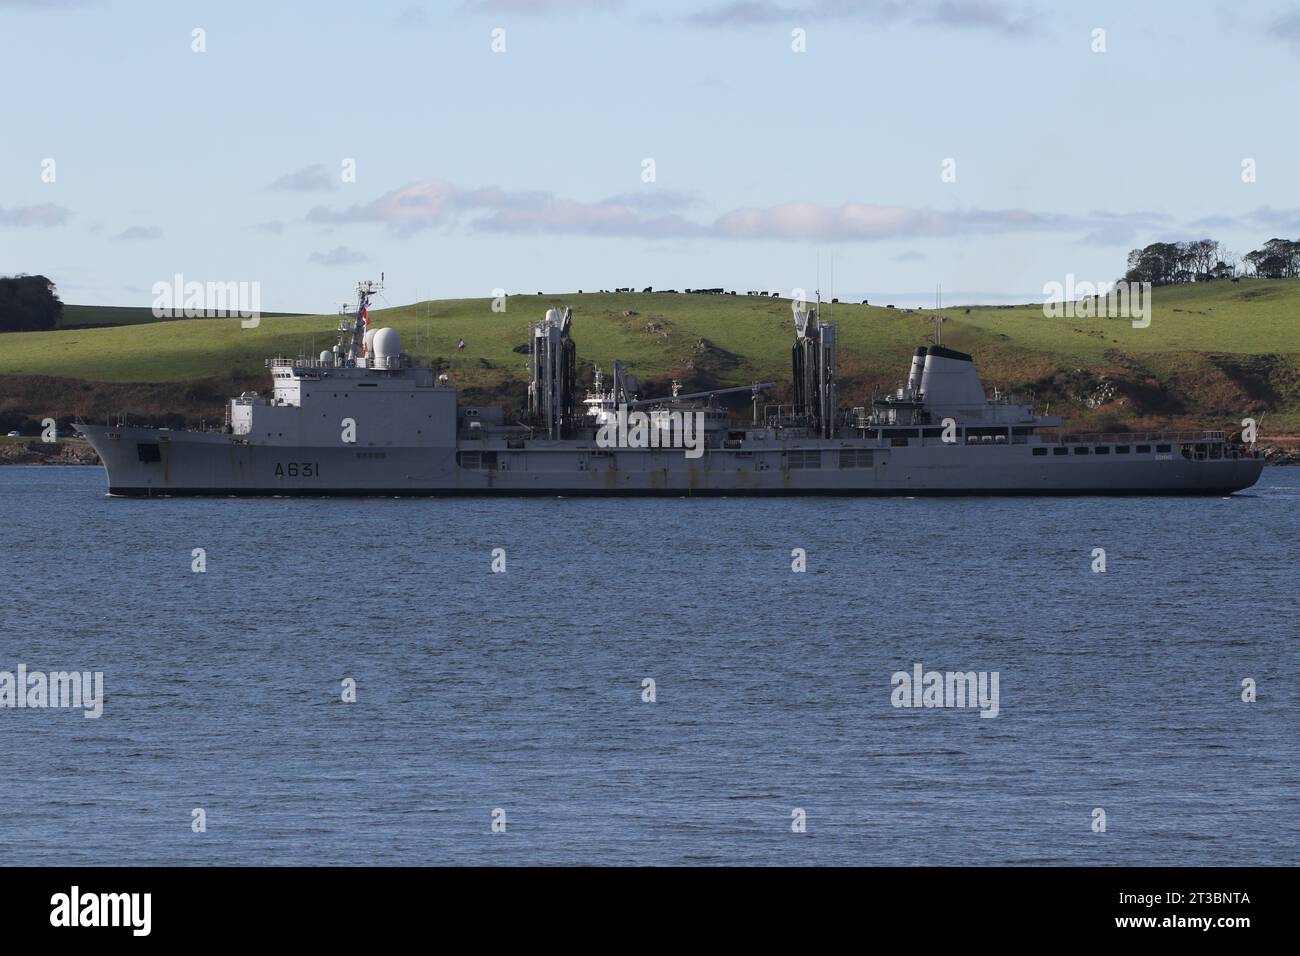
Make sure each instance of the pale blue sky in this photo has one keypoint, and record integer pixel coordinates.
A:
(523, 169)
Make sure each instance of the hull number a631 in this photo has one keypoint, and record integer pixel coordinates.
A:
(297, 469)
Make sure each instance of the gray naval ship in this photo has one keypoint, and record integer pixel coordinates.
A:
(365, 419)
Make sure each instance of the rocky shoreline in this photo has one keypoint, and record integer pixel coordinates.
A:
(37, 452)
(1277, 455)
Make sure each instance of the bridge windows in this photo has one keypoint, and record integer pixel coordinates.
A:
(986, 435)
(1040, 452)
(1081, 449)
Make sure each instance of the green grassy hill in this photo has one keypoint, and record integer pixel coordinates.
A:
(79, 316)
(1213, 353)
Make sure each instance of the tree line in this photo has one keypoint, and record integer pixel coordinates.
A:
(28, 304)
(1205, 260)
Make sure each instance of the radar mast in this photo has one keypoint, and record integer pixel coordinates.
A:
(352, 334)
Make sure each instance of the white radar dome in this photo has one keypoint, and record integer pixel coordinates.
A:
(386, 345)
(369, 337)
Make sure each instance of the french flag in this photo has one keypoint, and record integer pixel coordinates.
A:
(364, 311)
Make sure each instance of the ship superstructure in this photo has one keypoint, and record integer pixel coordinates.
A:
(364, 418)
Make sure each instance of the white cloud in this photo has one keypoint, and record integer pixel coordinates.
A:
(139, 234)
(947, 14)
(41, 216)
(310, 179)
(338, 256)
(412, 17)
(1286, 27)
(1285, 220)
(539, 7)
(435, 203)
(1261, 217)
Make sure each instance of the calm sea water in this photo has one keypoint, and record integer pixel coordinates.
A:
(523, 691)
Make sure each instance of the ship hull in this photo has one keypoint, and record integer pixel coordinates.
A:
(147, 463)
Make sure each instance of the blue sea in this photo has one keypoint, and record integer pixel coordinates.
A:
(520, 696)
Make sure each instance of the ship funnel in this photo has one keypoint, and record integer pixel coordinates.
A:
(949, 381)
(918, 367)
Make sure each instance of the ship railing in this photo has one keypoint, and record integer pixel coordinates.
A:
(1127, 438)
(281, 362)
(1010, 398)
(783, 416)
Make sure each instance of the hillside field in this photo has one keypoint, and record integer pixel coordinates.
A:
(78, 316)
(1213, 353)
